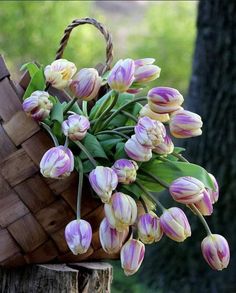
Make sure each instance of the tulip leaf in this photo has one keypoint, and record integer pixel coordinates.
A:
(93, 146)
(100, 105)
(131, 189)
(179, 150)
(37, 83)
(120, 152)
(57, 112)
(87, 166)
(31, 67)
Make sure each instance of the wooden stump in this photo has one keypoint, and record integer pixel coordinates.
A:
(59, 278)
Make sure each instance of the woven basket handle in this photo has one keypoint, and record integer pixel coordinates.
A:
(100, 27)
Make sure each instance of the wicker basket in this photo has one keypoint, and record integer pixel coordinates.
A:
(33, 210)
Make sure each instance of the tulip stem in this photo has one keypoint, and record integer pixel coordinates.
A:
(85, 108)
(70, 105)
(80, 187)
(150, 195)
(202, 219)
(87, 153)
(127, 114)
(49, 131)
(124, 128)
(180, 157)
(157, 179)
(117, 111)
(143, 204)
(113, 132)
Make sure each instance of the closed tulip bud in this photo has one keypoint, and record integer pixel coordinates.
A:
(204, 205)
(121, 76)
(134, 91)
(175, 225)
(57, 163)
(215, 250)
(187, 190)
(184, 124)
(103, 180)
(111, 239)
(121, 212)
(143, 61)
(214, 194)
(164, 100)
(126, 170)
(136, 151)
(149, 229)
(60, 73)
(164, 148)
(78, 234)
(75, 127)
(149, 133)
(38, 105)
(131, 256)
(145, 71)
(86, 84)
(146, 111)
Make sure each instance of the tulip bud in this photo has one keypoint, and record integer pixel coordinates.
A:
(78, 234)
(125, 170)
(175, 225)
(187, 190)
(149, 229)
(131, 256)
(57, 163)
(146, 111)
(121, 212)
(214, 195)
(164, 99)
(145, 71)
(111, 239)
(204, 205)
(122, 75)
(103, 181)
(164, 148)
(184, 124)
(60, 73)
(134, 91)
(75, 127)
(136, 151)
(38, 105)
(149, 133)
(215, 250)
(86, 84)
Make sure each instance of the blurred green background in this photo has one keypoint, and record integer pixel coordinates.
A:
(165, 30)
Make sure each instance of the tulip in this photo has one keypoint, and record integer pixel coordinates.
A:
(143, 61)
(204, 205)
(145, 71)
(184, 124)
(103, 181)
(60, 73)
(149, 229)
(175, 225)
(146, 111)
(126, 170)
(38, 105)
(57, 163)
(78, 234)
(214, 194)
(75, 127)
(121, 76)
(164, 148)
(131, 256)
(149, 133)
(134, 91)
(111, 239)
(86, 84)
(121, 212)
(136, 151)
(215, 250)
(187, 190)
(164, 99)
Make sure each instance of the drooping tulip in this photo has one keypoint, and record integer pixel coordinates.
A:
(75, 127)
(126, 170)
(214, 194)
(146, 111)
(136, 151)
(145, 71)
(204, 205)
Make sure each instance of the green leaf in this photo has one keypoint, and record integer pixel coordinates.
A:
(31, 67)
(93, 146)
(123, 99)
(179, 150)
(76, 108)
(103, 102)
(108, 144)
(37, 83)
(131, 189)
(120, 152)
(57, 112)
(87, 166)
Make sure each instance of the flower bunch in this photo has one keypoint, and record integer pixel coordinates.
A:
(123, 145)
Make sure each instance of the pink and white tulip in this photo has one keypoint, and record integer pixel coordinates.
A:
(75, 127)
(204, 205)
(214, 194)
(57, 163)
(184, 124)
(137, 151)
(215, 250)
(164, 148)
(121, 76)
(145, 71)
(121, 212)
(187, 190)
(38, 105)
(111, 239)
(60, 73)
(86, 84)
(126, 170)
(131, 256)
(103, 180)
(146, 111)
(78, 234)
(175, 225)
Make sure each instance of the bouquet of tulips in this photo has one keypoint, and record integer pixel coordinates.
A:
(122, 143)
